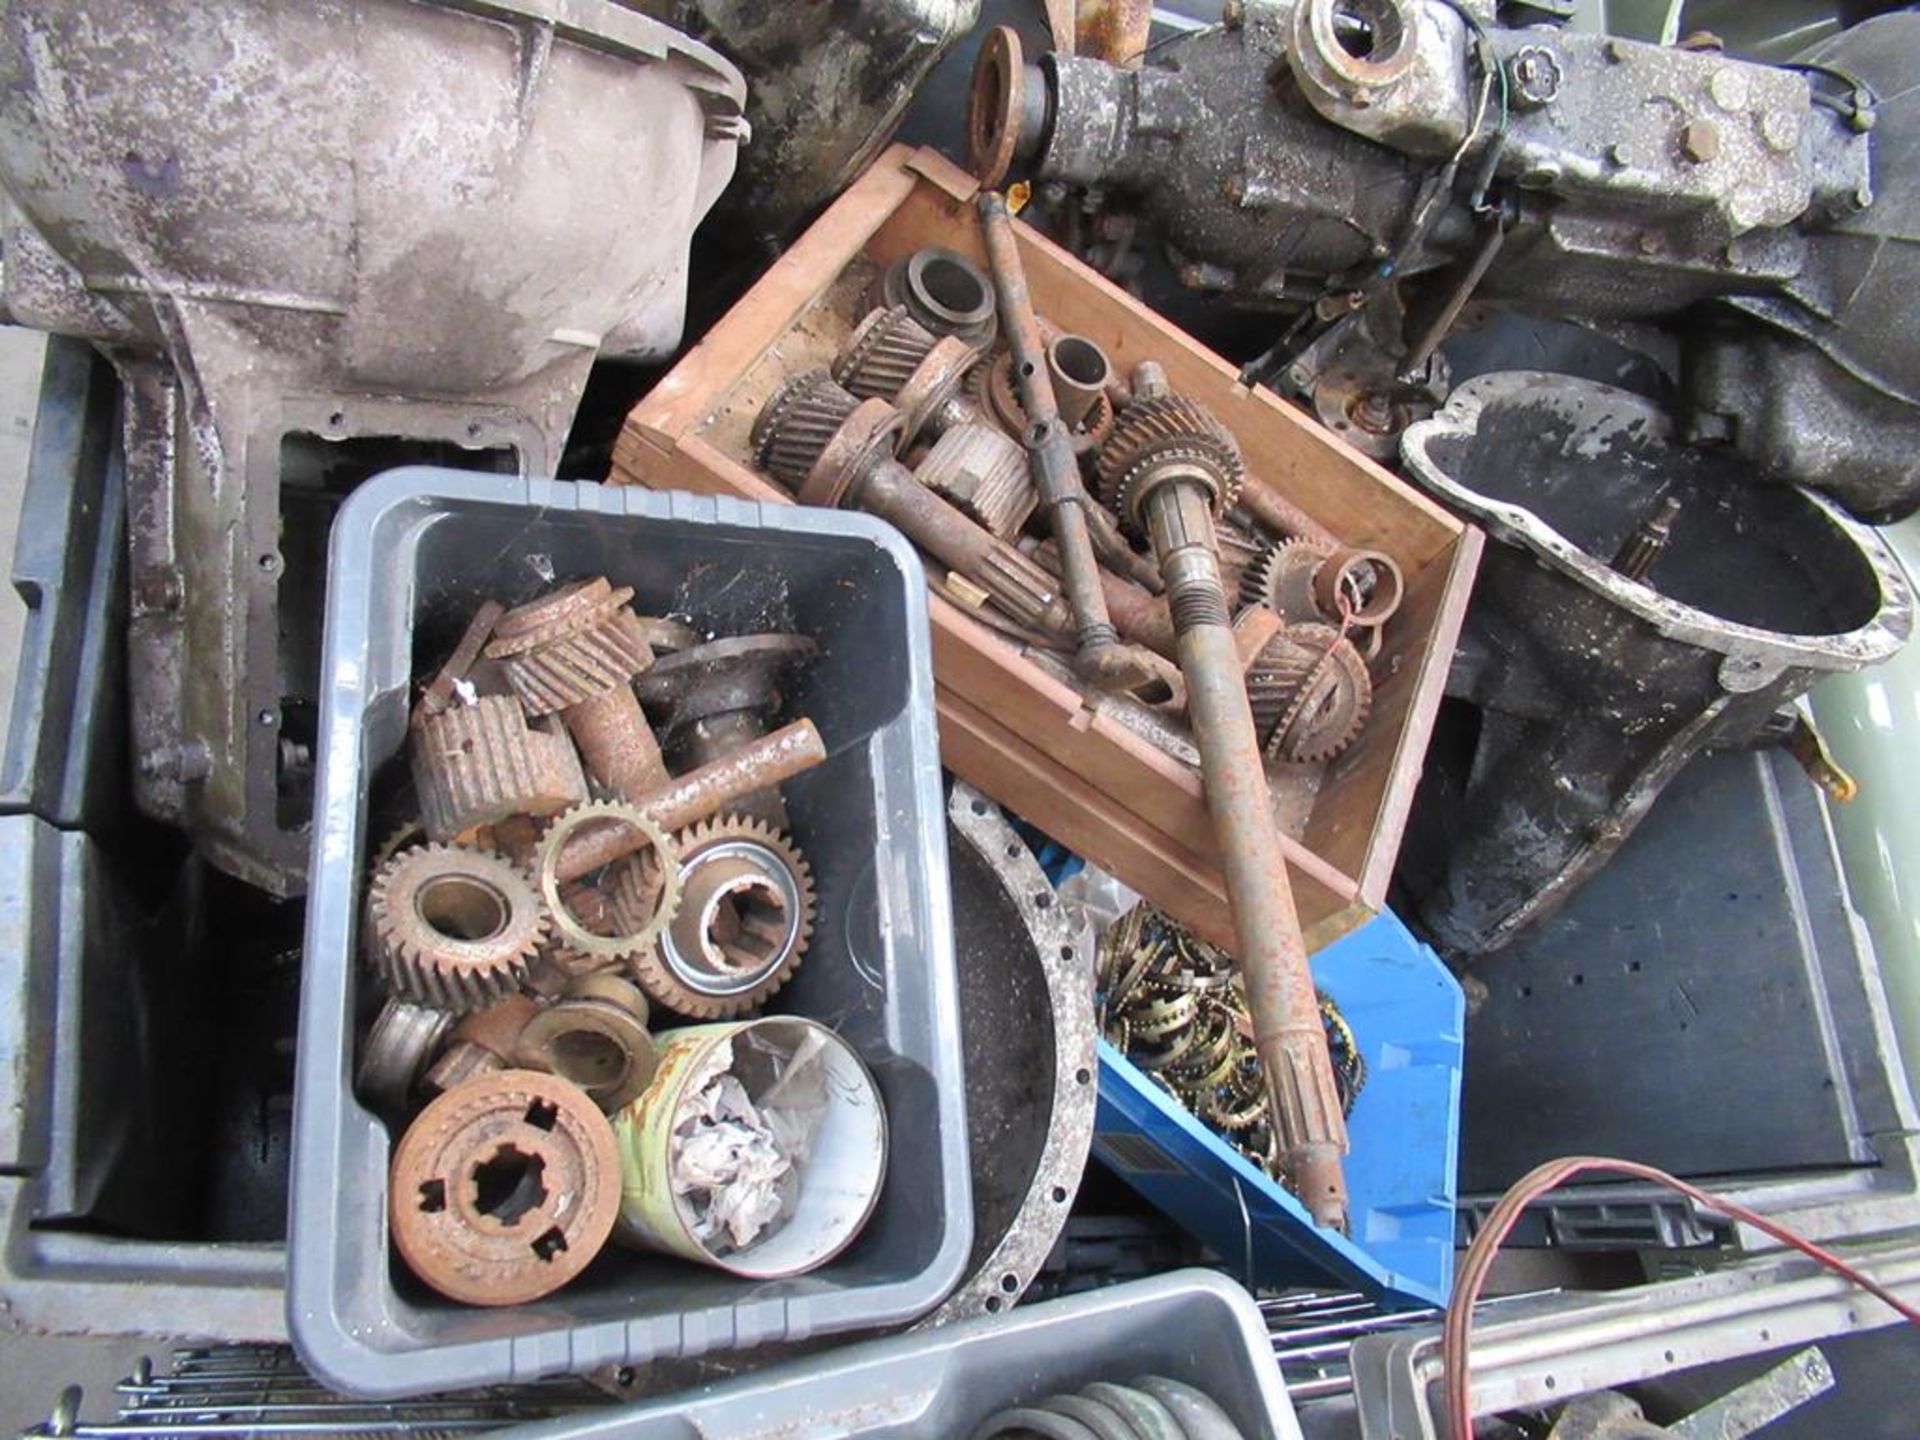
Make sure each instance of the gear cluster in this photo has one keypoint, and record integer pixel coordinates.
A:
(555, 894)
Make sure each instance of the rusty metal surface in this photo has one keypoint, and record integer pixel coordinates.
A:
(476, 765)
(1310, 693)
(743, 925)
(1028, 1023)
(1166, 469)
(943, 290)
(1098, 654)
(1081, 373)
(263, 271)
(983, 473)
(505, 1188)
(452, 928)
(594, 1035)
(573, 653)
(482, 1043)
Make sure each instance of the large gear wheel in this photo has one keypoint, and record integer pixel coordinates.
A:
(1309, 692)
(1127, 493)
(452, 928)
(642, 889)
(793, 427)
(744, 923)
(1150, 430)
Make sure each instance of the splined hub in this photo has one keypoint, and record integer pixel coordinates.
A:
(743, 925)
(504, 1188)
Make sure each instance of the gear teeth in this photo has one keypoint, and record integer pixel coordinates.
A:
(629, 895)
(431, 967)
(1148, 430)
(569, 610)
(884, 352)
(1131, 487)
(650, 970)
(797, 422)
(1269, 574)
(478, 764)
(571, 669)
(1309, 692)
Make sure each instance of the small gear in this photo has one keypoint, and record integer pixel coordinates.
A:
(1309, 692)
(744, 922)
(1127, 492)
(452, 928)
(642, 890)
(998, 396)
(568, 667)
(793, 427)
(883, 352)
(1280, 571)
(568, 610)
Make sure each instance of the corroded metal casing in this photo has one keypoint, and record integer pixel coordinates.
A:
(303, 264)
(475, 765)
(504, 1188)
(983, 472)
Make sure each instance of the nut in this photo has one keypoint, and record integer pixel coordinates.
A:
(504, 1188)
(1700, 141)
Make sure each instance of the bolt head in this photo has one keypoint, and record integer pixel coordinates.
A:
(1700, 141)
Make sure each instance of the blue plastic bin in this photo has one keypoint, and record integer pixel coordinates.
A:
(1407, 1014)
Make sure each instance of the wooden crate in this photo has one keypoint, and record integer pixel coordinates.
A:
(1021, 735)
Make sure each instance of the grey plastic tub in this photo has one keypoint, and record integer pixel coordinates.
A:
(1191, 1325)
(413, 552)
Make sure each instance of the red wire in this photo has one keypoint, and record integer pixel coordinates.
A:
(1550, 1176)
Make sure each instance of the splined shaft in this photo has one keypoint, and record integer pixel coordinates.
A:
(1170, 478)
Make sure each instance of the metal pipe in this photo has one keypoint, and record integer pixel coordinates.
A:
(686, 799)
(1099, 655)
(1079, 372)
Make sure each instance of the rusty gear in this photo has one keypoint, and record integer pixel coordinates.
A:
(1309, 692)
(793, 427)
(404, 836)
(643, 889)
(476, 765)
(561, 612)
(452, 928)
(883, 352)
(1157, 430)
(504, 1188)
(571, 668)
(998, 396)
(1281, 572)
(744, 922)
(1128, 493)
